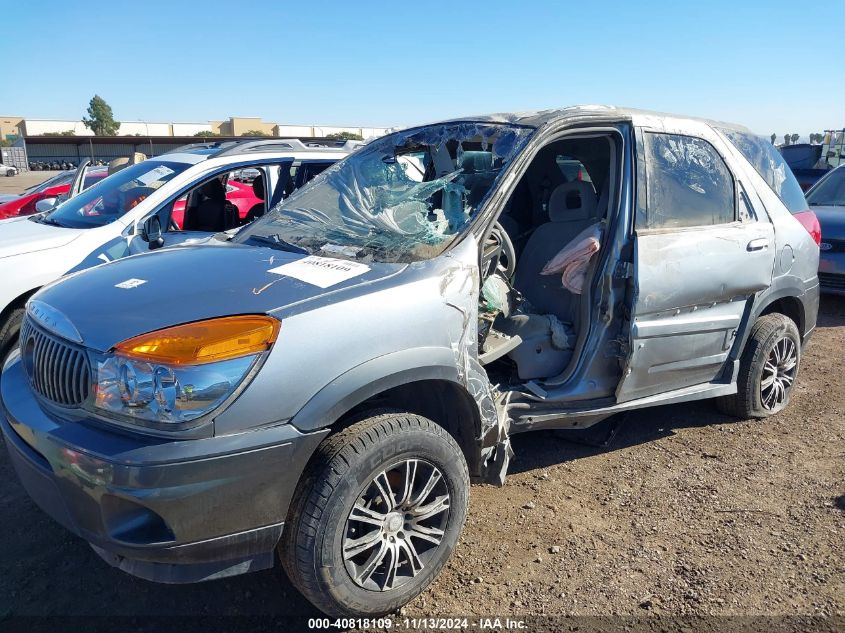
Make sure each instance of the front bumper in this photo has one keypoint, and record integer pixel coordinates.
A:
(168, 511)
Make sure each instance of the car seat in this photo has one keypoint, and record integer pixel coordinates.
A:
(257, 210)
(213, 213)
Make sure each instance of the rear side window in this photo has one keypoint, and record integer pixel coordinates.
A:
(830, 191)
(766, 159)
(688, 183)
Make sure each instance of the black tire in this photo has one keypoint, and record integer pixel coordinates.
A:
(342, 471)
(9, 332)
(748, 402)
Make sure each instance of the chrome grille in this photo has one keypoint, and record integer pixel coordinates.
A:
(57, 370)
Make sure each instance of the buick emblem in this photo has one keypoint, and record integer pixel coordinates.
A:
(52, 320)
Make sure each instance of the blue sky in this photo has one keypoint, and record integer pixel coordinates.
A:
(769, 65)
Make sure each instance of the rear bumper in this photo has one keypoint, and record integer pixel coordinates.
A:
(832, 273)
(163, 510)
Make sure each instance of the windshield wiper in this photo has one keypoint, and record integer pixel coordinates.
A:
(274, 241)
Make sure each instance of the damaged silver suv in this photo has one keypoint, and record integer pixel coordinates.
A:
(325, 383)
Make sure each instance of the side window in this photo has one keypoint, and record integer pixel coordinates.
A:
(572, 168)
(688, 183)
(771, 166)
(309, 171)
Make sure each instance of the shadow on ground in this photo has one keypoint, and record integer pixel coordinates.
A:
(832, 311)
(545, 448)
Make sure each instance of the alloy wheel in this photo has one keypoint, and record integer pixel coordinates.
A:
(396, 525)
(778, 373)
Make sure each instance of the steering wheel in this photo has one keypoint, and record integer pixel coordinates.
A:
(498, 254)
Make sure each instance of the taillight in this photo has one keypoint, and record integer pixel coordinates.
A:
(810, 222)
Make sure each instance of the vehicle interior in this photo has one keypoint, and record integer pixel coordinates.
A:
(540, 257)
(229, 200)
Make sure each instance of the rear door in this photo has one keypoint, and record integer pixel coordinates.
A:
(703, 247)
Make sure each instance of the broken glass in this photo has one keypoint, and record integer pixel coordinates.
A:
(688, 183)
(402, 198)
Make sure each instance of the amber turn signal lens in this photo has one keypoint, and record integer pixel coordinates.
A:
(203, 341)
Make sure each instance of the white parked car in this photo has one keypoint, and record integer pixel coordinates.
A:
(8, 170)
(162, 201)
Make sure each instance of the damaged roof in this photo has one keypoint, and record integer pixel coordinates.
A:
(539, 118)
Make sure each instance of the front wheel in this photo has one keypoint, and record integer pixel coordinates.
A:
(768, 369)
(9, 332)
(376, 515)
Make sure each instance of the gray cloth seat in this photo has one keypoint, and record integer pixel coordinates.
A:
(546, 324)
(572, 208)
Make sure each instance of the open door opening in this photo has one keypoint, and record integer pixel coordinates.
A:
(541, 259)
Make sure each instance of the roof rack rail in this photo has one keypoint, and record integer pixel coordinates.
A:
(201, 145)
(243, 147)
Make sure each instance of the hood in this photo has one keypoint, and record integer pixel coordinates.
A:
(23, 235)
(832, 221)
(112, 302)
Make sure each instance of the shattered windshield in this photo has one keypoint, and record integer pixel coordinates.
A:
(399, 199)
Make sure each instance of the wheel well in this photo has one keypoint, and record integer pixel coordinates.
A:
(445, 402)
(19, 302)
(790, 307)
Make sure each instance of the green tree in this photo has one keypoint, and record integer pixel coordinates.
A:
(774, 138)
(65, 133)
(786, 139)
(345, 136)
(794, 138)
(206, 134)
(255, 133)
(101, 118)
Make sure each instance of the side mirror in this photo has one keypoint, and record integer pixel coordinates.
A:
(151, 232)
(45, 204)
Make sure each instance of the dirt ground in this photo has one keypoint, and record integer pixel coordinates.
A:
(688, 512)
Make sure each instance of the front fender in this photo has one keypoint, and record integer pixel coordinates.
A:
(373, 377)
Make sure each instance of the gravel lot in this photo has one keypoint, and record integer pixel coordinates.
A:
(16, 184)
(688, 512)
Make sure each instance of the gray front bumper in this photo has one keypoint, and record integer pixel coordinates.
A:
(168, 511)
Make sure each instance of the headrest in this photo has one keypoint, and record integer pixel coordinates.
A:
(574, 200)
(472, 162)
(258, 187)
(214, 189)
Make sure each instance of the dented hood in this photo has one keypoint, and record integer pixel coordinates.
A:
(110, 303)
(23, 235)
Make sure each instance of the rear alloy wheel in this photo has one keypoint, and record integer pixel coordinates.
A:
(376, 515)
(779, 374)
(768, 369)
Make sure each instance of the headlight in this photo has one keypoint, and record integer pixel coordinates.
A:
(177, 374)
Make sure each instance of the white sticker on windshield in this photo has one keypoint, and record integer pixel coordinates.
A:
(130, 283)
(154, 175)
(321, 271)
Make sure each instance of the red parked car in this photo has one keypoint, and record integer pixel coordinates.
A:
(58, 185)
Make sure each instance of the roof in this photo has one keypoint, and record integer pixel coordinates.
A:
(539, 118)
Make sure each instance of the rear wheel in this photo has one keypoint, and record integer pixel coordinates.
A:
(376, 516)
(768, 369)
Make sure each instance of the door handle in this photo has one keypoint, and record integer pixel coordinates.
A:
(759, 244)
